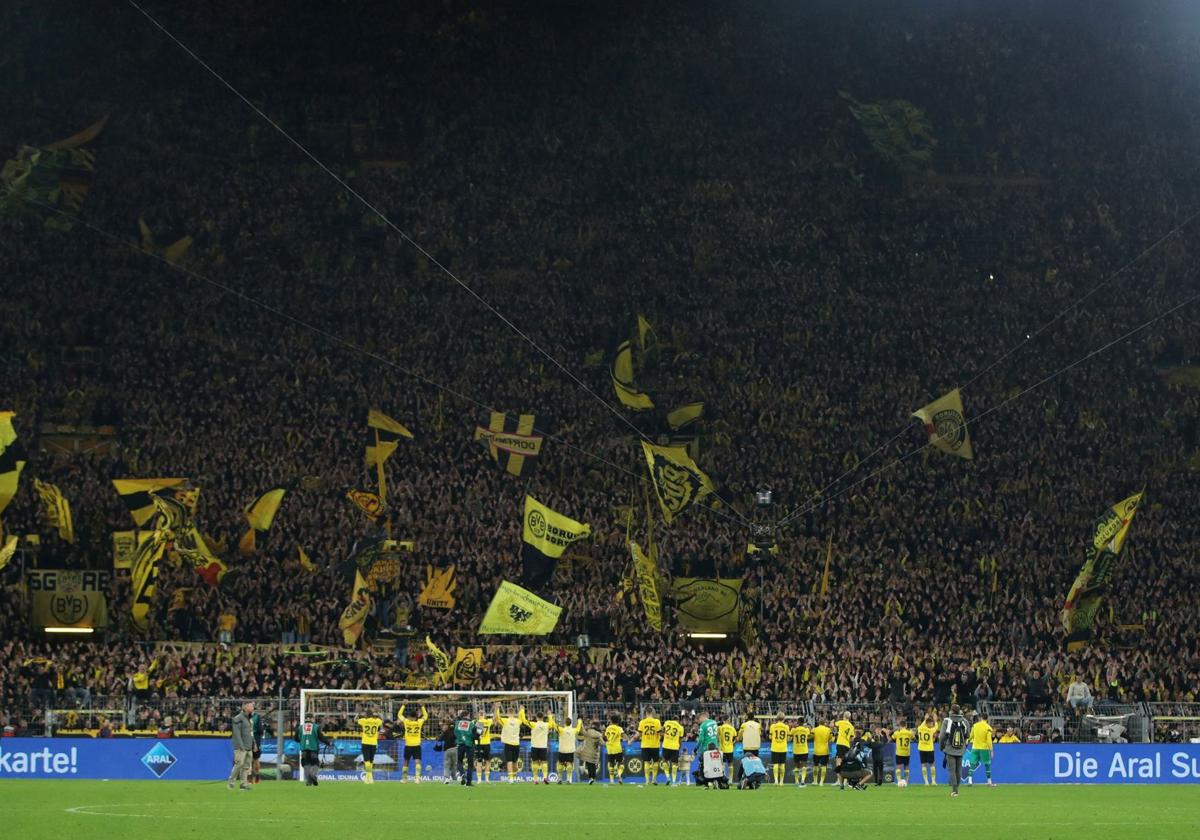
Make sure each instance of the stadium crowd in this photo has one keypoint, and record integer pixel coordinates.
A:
(702, 171)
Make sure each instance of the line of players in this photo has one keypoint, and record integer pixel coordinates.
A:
(659, 744)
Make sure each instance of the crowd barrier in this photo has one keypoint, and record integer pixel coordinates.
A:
(208, 759)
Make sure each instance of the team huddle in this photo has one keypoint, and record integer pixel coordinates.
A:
(854, 757)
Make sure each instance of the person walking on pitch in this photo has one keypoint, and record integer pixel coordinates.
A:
(954, 742)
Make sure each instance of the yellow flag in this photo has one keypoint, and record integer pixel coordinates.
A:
(383, 435)
(438, 591)
(466, 666)
(137, 495)
(644, 330)
(354, 617)
(1094, 579)
(546, 533)
(519, 612)
(305, 562)
(622, 380)
(678, 482)
(144, 576)
(677, 418)
(646, 572)
(511, 441)
(441, 661)
(9, 549)
(56, 509)
(12, 459)
(946, 426)
(260, 514)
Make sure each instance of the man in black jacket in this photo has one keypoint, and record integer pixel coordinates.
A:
(853, 767)
(879, 740)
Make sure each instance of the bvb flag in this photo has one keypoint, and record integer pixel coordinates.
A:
(56, 509)
(12, 459)
(260, 515)
(438, 591)
(546, 534)
(441, 662)
(465, 668)
(8, 550)
(943, 419)
(519, 612)
(354, 617)
(511, 442)
(622, 380)
(137, 495)
(678, 482)
(383, 436)
(646, 572)
(1092, 583)
(684, 415)
(369, 503)
(151, 545)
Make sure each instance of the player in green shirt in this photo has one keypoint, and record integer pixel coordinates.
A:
(706, 739)
(310, 737)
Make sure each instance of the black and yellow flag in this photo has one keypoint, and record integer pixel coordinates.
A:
(12, 459)
(354, 617)
(622, 380)
(172, 253)
(1094, 579)
(678, 482)
(511, 442)
(546, 534)
(56, 510)
(946, 426)
(137, 494)
(260, 514)
(645, 331)
(383, 436)
(438, 591)
(144, 575)
(8, 550)
(368, 502)
(519, 612)
(645, 570)
(466, 666)
(59, 175)
(685, 415)
(441, 662)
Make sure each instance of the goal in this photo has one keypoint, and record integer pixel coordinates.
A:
(337, 712)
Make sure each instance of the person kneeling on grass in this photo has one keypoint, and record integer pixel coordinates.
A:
(854, 766)
(753, 772)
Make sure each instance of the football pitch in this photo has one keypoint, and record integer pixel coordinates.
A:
(52, 810)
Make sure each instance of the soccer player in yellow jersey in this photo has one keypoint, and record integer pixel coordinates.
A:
(927, 735)
(483, 755)
(726, 735)
(779, 733)
(903, 738)
(369, 727)
(613, 734)
(510, 737)
(539, 744)
(981, 749)
(412, 742)
(800, 735)
(672, 737)
(650, 732)
(568, 739)
(822, 735)
(845, 737)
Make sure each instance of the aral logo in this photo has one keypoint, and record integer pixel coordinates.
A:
(159, 760)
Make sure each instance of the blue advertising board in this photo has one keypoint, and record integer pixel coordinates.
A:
(1137, 764)
(115, 758)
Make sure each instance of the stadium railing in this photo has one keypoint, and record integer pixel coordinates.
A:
(1173, 722)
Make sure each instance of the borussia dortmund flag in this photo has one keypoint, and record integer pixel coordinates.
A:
(137, 495)
(646, 572)
(465, 668)
(383, 436)
(144, 575)
(707, 605)
(943, 419)
(546, 534)
(12, 459)
(678, 482)
(354, 617)
(368, 503)
(677, 418)
(519, 612)
(56, 510)
(191, 546)
(511, 442)
(1093, 581)
(260, 514)
(438, 591)
(644, 331)
(8, 550)
(441, 661)
(622, 380)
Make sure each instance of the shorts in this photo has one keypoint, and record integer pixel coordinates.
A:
(538, 753)
(615, 760)
(982, 758)
(368, 752)
(649, 755)
(800, 759)
(512, 753)
(903, 760)
(727, 757)
(926, 756)
(412, 753)
(778, 757)
(566, 759)
(821, 760)
(671, 756)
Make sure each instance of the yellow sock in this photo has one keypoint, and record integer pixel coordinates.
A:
(512, 774)
(570, 772)
(368, 775)
(804, 774)
(674, 773)
(648, 771)
(418, 774)
(404, 772)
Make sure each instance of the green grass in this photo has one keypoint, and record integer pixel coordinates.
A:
(348, 811)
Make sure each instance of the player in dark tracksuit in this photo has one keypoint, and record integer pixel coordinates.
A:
(878, 740)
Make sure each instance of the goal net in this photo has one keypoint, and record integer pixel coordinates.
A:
(337, 712)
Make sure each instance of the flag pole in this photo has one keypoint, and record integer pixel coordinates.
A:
(382, 476)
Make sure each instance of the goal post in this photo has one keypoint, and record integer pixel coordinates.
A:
(337, 710)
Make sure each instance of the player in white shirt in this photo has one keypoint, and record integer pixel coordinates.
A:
(568, 734)
(539, 744)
